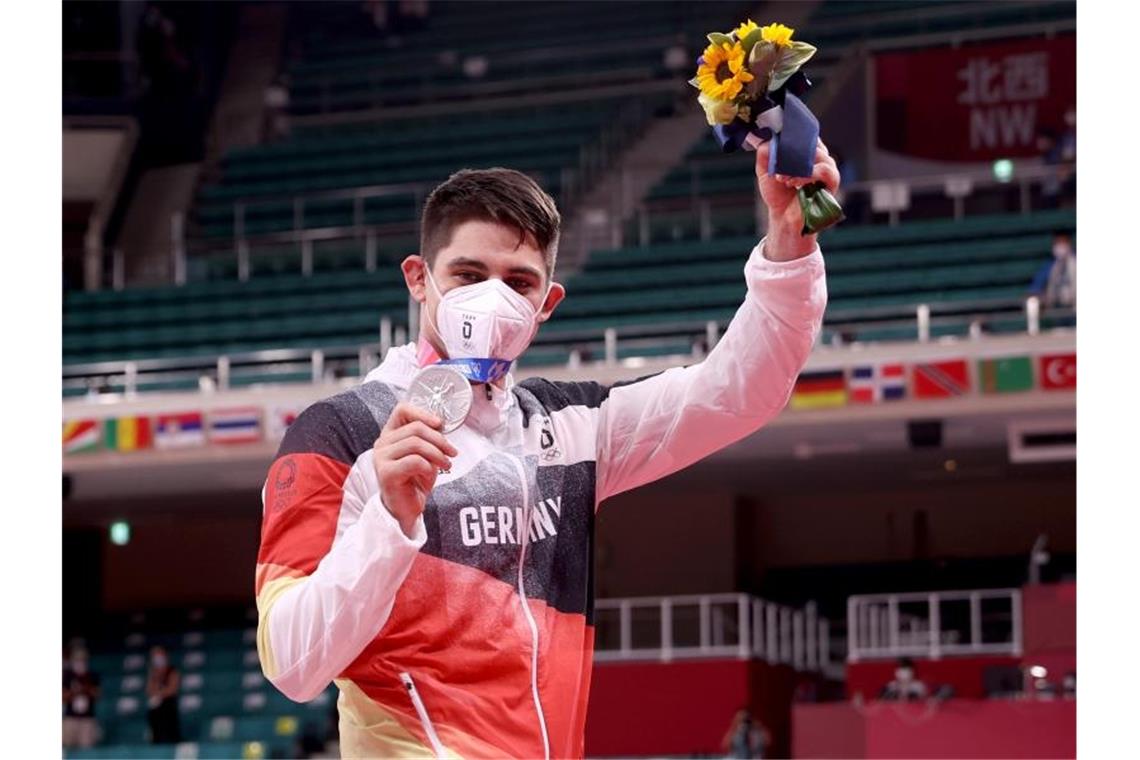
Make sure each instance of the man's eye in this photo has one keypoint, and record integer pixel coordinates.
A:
(467, 277)
(520, 286)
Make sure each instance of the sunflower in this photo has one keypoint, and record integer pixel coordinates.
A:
(743, 30)
(778, 34)
(722, 73)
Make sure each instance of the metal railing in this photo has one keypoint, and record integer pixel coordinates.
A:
(666, 628)
(209, 374)
(891, 197)
(629, 223)
(934, 625)
(594, 158)
(608, 346)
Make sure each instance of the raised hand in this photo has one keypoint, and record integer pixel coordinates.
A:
(785, 219)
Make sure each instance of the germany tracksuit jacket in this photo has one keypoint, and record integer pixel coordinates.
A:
(475, 636)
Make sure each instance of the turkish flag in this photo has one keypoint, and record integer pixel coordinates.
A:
(1058, 371)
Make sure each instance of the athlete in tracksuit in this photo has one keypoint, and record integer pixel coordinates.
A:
(468, 631)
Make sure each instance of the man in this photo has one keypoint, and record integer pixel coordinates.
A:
(746, 737)
(904, 686)
(80, 695)
(1056, 281)
(162, 684)
(444, 581)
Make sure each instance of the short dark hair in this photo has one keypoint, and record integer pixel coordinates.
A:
(499, 195)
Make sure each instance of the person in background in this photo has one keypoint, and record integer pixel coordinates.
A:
(1056, 281)
(276, 109)
(80, 693)
(1069, 685)
(162, 684)
(1067, 149)
(746, 738)
(905, 686)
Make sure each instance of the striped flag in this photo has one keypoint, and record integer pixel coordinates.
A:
(819, 390)
(941, 379)
(175, 431)
(1009, 375)
(872, 384)
(80, 436)
(238, 425)
(128, 433)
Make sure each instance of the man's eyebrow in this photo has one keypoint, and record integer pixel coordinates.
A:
(526, 270)
(466, 262)
(463, 261)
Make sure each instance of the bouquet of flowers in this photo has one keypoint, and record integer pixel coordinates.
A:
(750, 82)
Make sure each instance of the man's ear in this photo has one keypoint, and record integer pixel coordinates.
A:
(414, 269)
(553, 298)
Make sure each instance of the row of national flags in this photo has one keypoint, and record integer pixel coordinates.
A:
(178, 430)
(882, 383)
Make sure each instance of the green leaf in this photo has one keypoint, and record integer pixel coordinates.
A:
(750, 40)
(789, 62)
(719, 39)
(761, 61)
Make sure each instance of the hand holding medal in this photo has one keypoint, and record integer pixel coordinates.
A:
(750, 82)
(412, 450)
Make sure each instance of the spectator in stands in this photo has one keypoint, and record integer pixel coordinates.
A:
(80, 693)
(905, 686)
(1059, 150)
(1069, 685)
(162, 684)
(746, 738)
(1056, 281)
(1067, 144)
(276, 110)
(1046, 144)
(1067, 148)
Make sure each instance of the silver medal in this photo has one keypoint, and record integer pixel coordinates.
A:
(444, 392)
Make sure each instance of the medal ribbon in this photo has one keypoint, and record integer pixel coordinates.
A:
(479, 370)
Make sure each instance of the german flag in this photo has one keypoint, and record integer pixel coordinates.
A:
(128, 434)
(819, 390)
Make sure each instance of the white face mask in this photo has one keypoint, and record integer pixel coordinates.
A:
(486, 320)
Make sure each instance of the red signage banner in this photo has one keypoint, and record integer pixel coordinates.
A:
(977, 102)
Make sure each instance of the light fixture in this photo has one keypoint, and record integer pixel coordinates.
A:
(120, 533)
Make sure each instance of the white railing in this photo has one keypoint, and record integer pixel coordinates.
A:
(667, 628)
(600, 346)
(889, 196)
(934, 625)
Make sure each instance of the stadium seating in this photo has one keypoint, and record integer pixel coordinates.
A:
(226, 705)
(689, 273)
(980, 263)
(556, 45)
(344, 65)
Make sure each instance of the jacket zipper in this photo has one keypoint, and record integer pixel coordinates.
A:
(425, 719)
(526, 607)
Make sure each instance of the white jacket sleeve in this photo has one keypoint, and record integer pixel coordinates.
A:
(653, 427)
(311, 627)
